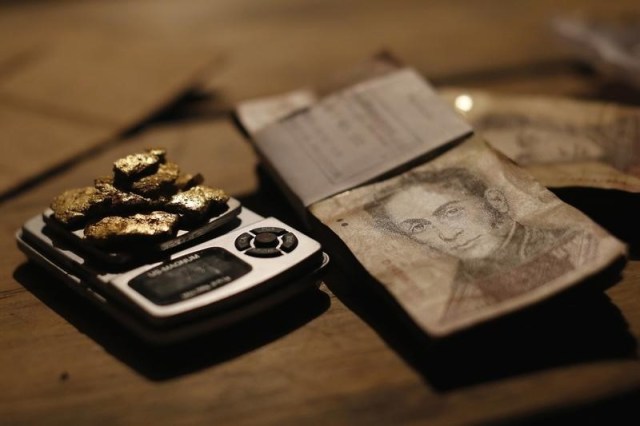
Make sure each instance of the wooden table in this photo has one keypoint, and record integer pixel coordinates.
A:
(336, 355)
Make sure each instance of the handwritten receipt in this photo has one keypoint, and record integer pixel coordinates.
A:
(357, 134)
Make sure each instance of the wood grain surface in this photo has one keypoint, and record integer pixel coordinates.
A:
(338, 355)
(69, 95)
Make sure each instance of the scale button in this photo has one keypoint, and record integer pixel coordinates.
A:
(289, 242)
(269, 229)
(263, 252)
(243, 242)
(266, 239)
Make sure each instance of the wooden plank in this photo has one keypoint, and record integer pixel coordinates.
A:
(441, 39)
(105, 80)
(76, 93)
(277, 45)
(34, 142)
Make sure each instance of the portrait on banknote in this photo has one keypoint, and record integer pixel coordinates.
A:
(454, 212)
(466, 237)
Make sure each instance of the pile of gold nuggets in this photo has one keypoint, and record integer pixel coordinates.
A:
(146, 200)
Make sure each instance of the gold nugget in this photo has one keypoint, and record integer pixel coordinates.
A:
(188, 180)
(141, 183)
(74, 206)
(124, 202)
(196, 202)
(135, 165)
(159, 183)
(103, 181)
(161, 153)
(117, 231)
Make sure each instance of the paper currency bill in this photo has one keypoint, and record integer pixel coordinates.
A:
(562, 142)
(467, 237)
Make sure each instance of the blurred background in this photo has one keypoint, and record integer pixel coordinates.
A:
(83, 72)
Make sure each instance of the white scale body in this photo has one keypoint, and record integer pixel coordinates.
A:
(245, 265)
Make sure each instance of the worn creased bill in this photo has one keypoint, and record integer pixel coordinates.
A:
(562, 142)
(467, 237)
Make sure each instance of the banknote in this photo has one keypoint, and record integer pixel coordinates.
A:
(467, 237)
(562, 142)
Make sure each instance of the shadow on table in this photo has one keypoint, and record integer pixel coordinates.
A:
(574, 327)
(166, 362)
(619, 92)
(616, 211)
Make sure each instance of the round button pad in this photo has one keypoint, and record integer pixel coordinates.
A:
(267, 241)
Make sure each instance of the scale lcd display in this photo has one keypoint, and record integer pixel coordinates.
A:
(189, 276)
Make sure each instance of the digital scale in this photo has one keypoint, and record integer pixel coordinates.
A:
(236, 265)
